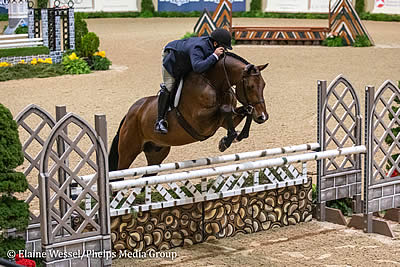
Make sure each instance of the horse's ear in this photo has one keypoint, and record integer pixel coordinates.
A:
(248, 68)
(262, 67)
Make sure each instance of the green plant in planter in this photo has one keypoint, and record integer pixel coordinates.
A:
(81, 30)
(14, 213)
(75, 65)
(21, 30)
(343, 204)
(99, 63)
(90, 44)
(333, 41)
(361, 41)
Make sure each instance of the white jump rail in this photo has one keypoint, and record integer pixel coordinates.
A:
(19, 40)
(207, 161)
(13, 36)
(267, 163)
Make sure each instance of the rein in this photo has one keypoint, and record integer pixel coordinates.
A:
(249, 106)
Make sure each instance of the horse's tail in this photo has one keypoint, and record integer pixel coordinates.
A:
(113, 156)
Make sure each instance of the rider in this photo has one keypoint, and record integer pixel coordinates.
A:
(180, 57)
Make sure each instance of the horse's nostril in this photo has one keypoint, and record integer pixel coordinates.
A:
(261, 118)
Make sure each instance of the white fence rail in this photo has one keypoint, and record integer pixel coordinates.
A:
(207, 161)
(167, 178)
(19, 40)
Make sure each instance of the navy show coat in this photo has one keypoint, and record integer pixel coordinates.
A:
(192, 54)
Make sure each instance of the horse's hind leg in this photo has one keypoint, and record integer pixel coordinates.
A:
(155, 154)
(128, 151)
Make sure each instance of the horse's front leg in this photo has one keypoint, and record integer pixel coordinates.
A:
(247, 112)
(231, 120)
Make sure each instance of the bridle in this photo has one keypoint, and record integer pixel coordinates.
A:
(249, 106)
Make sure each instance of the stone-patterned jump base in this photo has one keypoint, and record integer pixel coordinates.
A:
(189, 224)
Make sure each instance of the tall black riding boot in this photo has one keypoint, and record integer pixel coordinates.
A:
(161, 125)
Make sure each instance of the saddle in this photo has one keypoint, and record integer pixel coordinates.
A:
(173, 106)
(175, 95)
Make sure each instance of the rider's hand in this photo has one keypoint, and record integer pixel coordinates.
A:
(219, 51)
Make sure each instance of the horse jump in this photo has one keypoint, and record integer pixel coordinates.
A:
(343, 21)
(214, 201)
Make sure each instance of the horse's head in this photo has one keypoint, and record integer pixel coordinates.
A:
(249, 91)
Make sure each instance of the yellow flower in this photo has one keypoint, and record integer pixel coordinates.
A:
(34, 61)
(4, 64)
(73, 56)
(48, 60)
(101, 54)
(22, 62)
(40, 60)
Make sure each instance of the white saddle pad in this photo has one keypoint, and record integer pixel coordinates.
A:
(178, 93)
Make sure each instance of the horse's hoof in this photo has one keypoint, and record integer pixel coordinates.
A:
(222, 146)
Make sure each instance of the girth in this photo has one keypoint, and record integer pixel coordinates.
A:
(188, 128)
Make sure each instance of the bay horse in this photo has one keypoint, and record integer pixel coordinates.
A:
(207, 103)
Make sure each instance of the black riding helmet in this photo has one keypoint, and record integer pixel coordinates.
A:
(222, 37)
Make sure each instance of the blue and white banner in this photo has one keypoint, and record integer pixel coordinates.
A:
(306, 6)
(197, 5)
(3, 6)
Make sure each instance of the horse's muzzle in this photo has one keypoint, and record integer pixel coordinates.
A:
(262, 118)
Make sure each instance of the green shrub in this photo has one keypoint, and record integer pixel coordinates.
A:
(333, 41)
(147, 5)
(3, 17)
(14, 213)
(100, 63)
(361, 41)
(314, 193)
(80, 30)
(343, 204)
(90, 44)
(189, 35)
(146, 14)
(113, 15)
(10, 147)
(7, 244)
(360, 6)
(75, 65)
(379, 17)
(21, 30)
(25, 71)
(24, 51)
(42, 3)
(255, 5)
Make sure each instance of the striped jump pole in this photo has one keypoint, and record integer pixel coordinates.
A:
(207, 161)
(189, 175)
